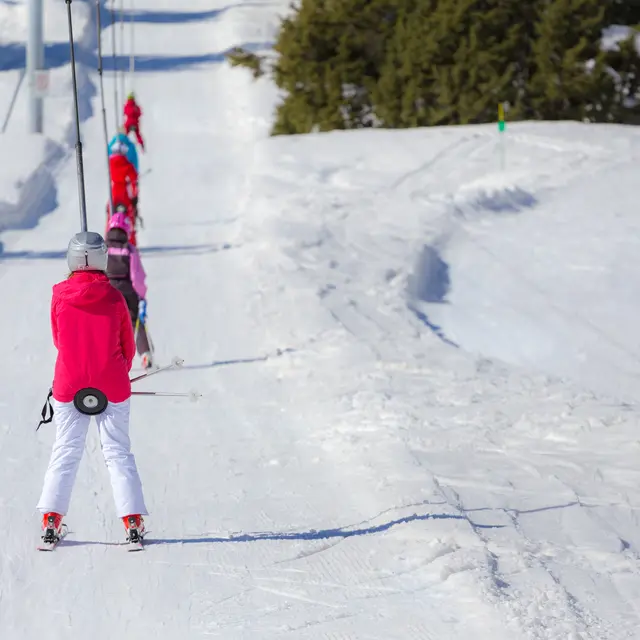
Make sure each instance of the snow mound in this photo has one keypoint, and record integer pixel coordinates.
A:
(494, 194)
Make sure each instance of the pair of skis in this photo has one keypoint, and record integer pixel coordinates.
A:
(50, 545)
(51, 539)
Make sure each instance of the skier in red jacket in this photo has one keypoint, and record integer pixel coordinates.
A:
(124, 187)
(132, 114)
(92, 331)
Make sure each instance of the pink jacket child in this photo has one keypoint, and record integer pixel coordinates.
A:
(91, 329)
(132, 115)
(125, 272)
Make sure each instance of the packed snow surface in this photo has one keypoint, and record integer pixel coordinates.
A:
(417, 352)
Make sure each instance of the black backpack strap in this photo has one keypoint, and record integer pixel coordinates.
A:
(46, 409)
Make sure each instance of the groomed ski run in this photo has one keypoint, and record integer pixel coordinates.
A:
(419, 374)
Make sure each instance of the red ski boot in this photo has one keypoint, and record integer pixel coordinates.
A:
(134, 526)
(52, 531)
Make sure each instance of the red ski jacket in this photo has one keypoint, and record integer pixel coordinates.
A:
(92, 331)
(123, 175)
(121, 194)
(132, 113)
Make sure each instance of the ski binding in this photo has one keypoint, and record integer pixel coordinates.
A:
(50, 539)
(134, 539)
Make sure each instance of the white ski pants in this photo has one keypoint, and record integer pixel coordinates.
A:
(71, 433)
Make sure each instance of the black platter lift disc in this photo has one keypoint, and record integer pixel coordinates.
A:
(90, 401)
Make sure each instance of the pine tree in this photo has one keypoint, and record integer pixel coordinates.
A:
(403, 92)
(451, 62)
(480, 72)
(239, 57)
(571, 80)
(347, 64)
(330, 55)
(623, 12)
(523, 29)
(624, 64)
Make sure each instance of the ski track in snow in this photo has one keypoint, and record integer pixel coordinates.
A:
(349, 473)
(345, 238)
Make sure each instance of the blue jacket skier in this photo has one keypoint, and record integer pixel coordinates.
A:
(131, 152)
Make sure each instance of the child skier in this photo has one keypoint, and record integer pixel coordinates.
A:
(132, 114)
(131, 215)
(130, 153)
(125, 272)
(124, 184)
(123, 174)
(92, 332)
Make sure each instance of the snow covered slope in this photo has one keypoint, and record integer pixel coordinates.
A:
(536, 263)
(29, 165)
(353, 470)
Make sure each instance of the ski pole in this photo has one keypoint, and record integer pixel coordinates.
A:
(146, 328)
(140, 318)
(144, 322)
(193, 395)
(175, 364)
(81, 192)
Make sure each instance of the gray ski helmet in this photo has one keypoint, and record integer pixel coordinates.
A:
(87, 252)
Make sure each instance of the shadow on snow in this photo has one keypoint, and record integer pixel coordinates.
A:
(312, 534)
(58, 54)
(171, 17)
(429, 283)
(197, 249)
(227, 363)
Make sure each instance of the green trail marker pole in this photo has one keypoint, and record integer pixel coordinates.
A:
(502, 128)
